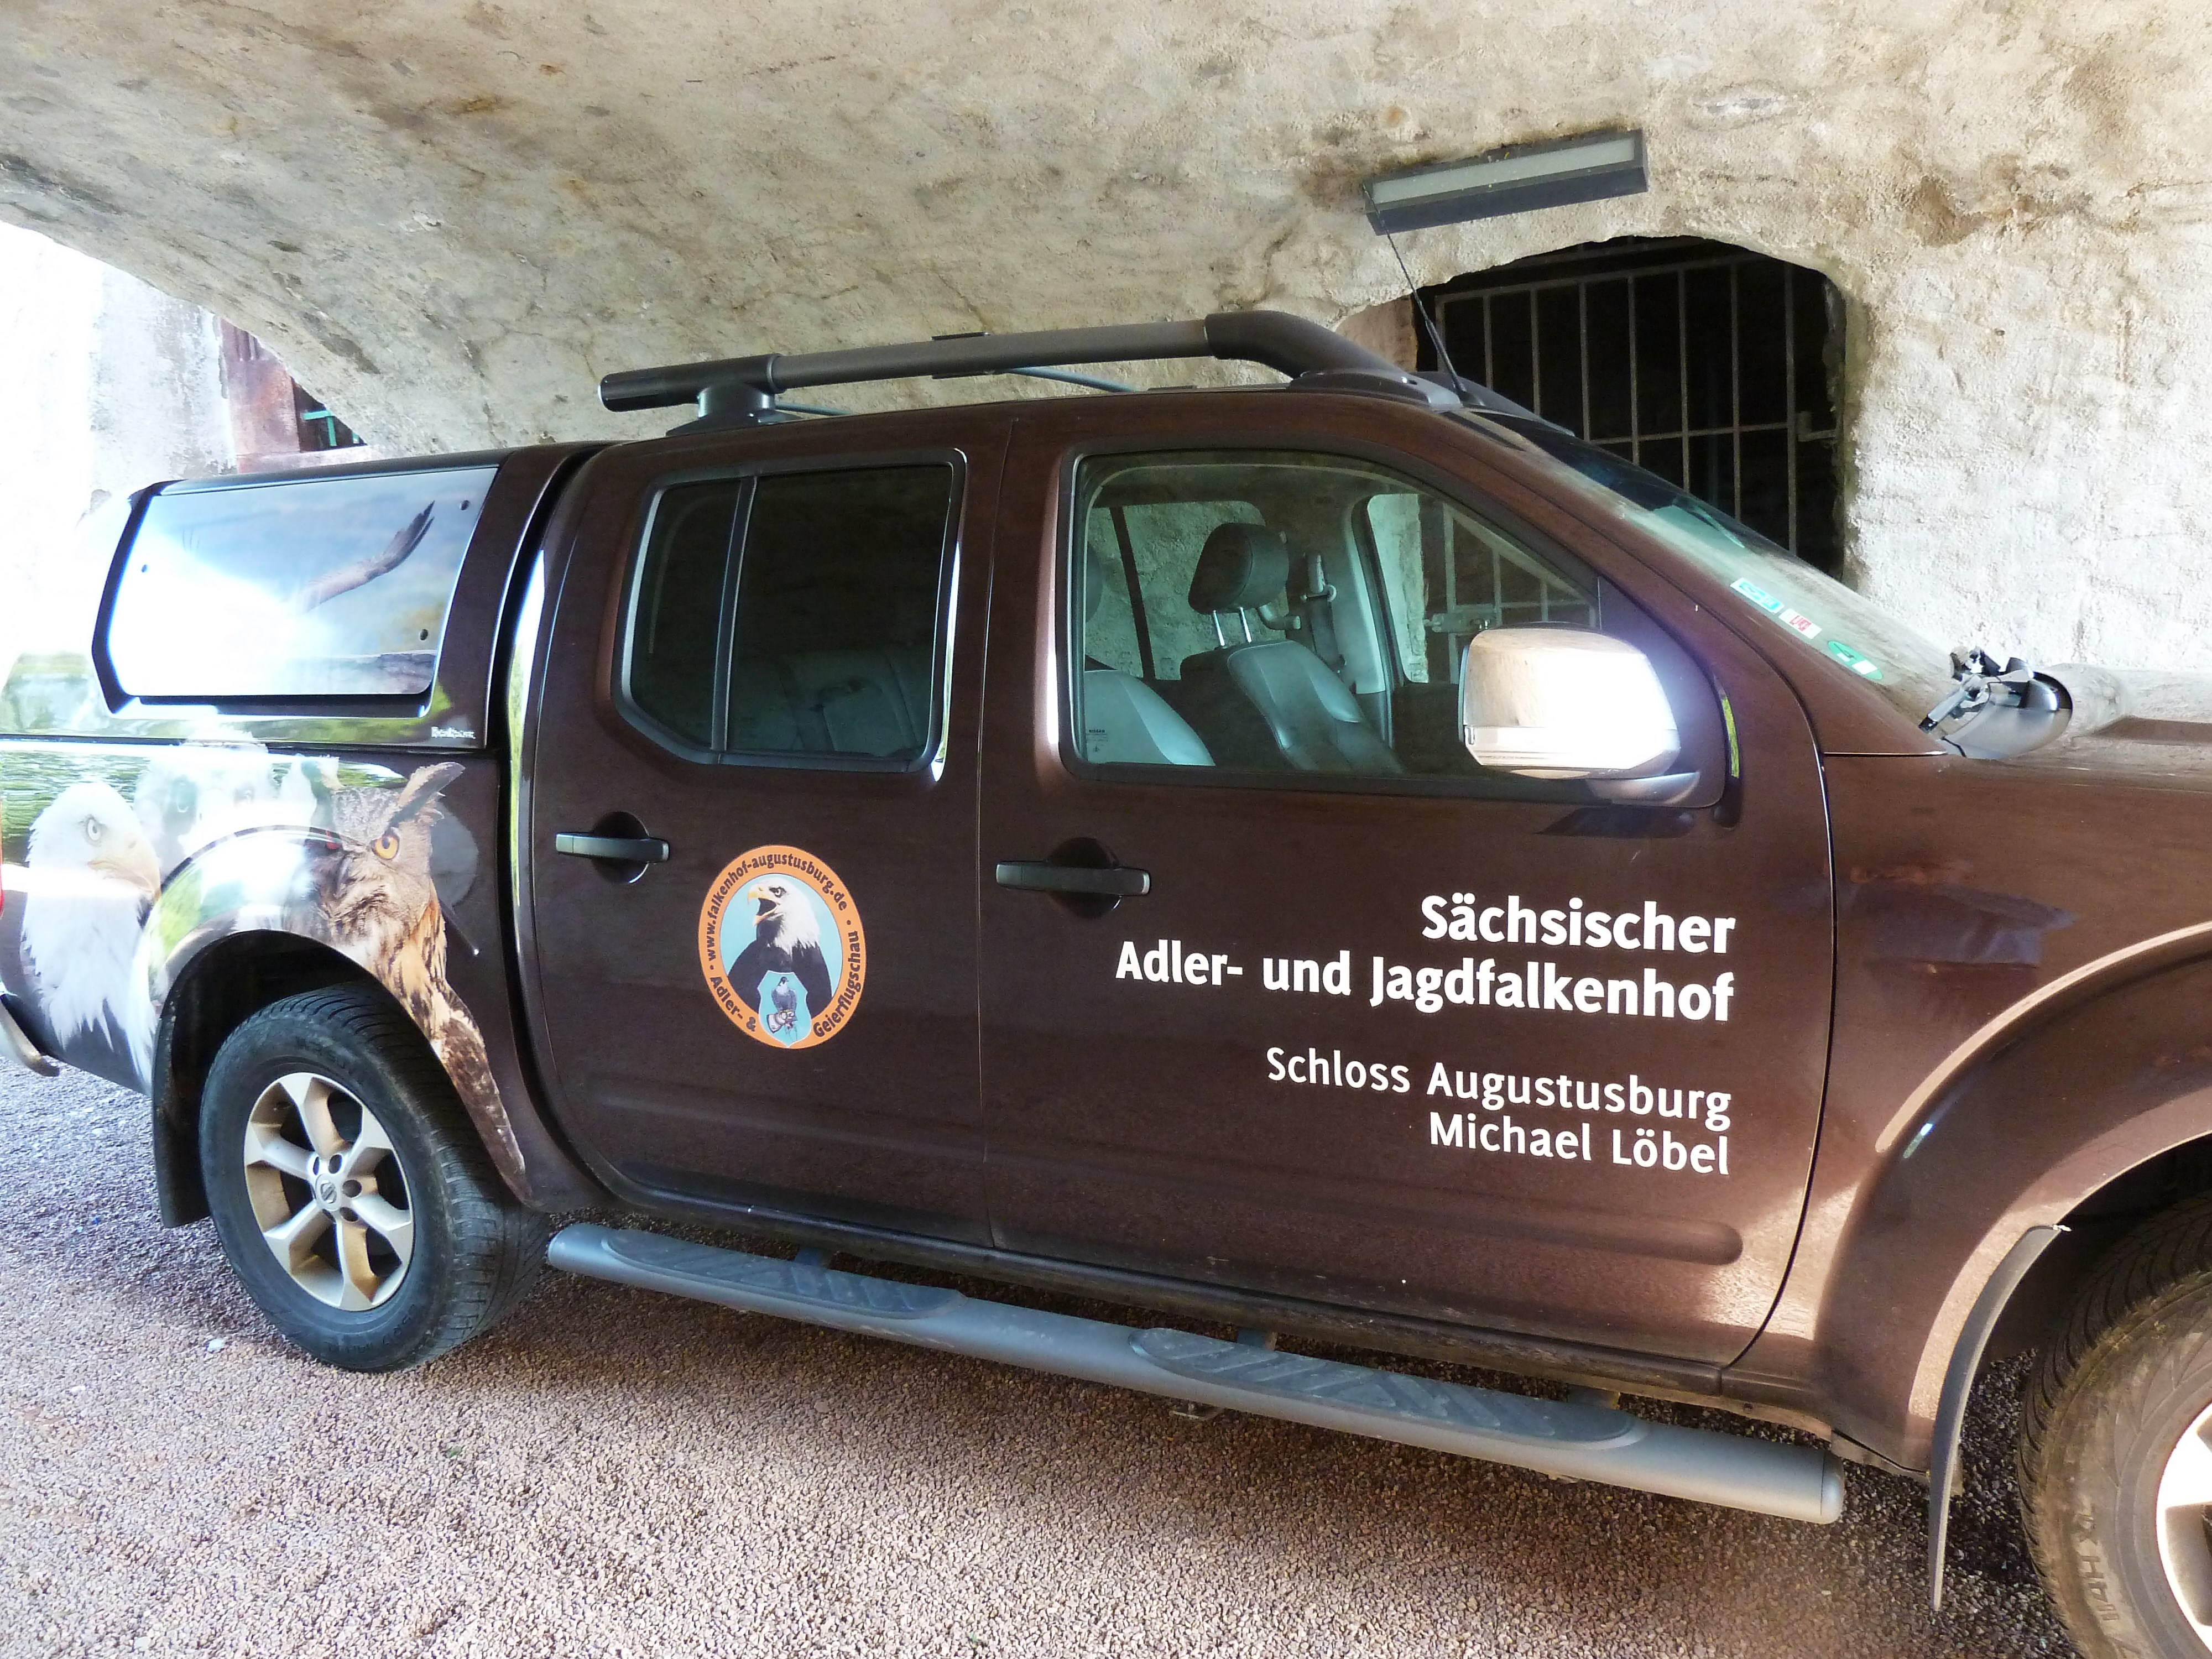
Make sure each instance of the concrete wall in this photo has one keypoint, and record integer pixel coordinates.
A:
(451, 219)
(108, 385)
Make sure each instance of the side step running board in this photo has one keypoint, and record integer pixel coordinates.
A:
(1572, 1437)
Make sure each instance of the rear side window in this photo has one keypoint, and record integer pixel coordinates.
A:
(302, 587)
(676, 633)
(797, 617)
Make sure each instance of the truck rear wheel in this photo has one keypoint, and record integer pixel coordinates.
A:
(351, 1198)
(2116, 1450)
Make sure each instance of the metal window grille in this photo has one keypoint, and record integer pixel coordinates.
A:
(1712, 366)
(1475, 582)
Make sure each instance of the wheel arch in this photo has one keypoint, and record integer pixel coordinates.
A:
(218, 990)
(2098, 1221)
(239, 936)
(2081, 1108)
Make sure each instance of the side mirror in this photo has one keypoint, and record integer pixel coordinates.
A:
(1570, 702)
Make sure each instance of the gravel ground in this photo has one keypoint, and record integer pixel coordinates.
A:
(616, 1472)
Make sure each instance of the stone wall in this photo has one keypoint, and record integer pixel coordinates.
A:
(453, 218)
(108, 385)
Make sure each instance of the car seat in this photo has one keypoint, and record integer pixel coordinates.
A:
(1268, 704)
(1125, 722)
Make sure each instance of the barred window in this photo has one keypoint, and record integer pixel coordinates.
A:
(1715, 368)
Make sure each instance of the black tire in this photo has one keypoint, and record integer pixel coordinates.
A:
(2109, 1402)
(475, 1250)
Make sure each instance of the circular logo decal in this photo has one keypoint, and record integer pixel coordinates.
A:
(780, 944)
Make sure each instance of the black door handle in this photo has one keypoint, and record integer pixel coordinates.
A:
(1035, 878)
(619, 849)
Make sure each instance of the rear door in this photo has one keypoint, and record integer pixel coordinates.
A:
(1384, 1028)
(751, 819)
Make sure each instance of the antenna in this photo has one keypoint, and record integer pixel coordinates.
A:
(1421, 310)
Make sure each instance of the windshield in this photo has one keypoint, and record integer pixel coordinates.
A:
(1827, 619)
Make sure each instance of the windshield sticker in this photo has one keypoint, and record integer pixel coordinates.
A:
(1796, 620)
(1857, 662)
(1759, 595)
(781, 946)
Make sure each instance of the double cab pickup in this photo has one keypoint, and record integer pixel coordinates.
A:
(1345, 862)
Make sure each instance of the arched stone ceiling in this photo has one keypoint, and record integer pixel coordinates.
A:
(452, 218)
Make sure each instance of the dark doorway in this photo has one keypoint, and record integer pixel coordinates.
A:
(1715, 368)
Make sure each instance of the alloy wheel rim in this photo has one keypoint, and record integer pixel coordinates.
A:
(2185, 1524)
(328, 1192)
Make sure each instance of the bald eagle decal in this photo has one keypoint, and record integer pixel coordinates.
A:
(781, 947)
(90, 877)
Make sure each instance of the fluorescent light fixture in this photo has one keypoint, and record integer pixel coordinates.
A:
(1515, 180)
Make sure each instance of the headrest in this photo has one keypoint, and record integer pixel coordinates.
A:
(1243, 565)
(1100, 576)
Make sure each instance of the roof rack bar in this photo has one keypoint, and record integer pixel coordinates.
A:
(1276, 339)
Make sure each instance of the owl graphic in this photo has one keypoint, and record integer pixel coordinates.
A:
(372, 896)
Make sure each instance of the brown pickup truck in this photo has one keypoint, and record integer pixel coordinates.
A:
(1347, 862)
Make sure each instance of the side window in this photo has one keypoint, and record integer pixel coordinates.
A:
(1261, 613)
(796, 615)
(299, 587)
(677, 619)
(1446, 577)
(1160, 541)
(839, 601)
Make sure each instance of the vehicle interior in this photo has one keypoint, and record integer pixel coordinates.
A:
(1289, 613)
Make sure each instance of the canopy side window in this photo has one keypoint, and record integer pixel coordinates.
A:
(295, 588)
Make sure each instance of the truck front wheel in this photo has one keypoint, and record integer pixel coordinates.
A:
(2116, 1450)
(351, 1199)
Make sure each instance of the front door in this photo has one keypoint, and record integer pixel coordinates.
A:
(1376, 1024)
(751, 821)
